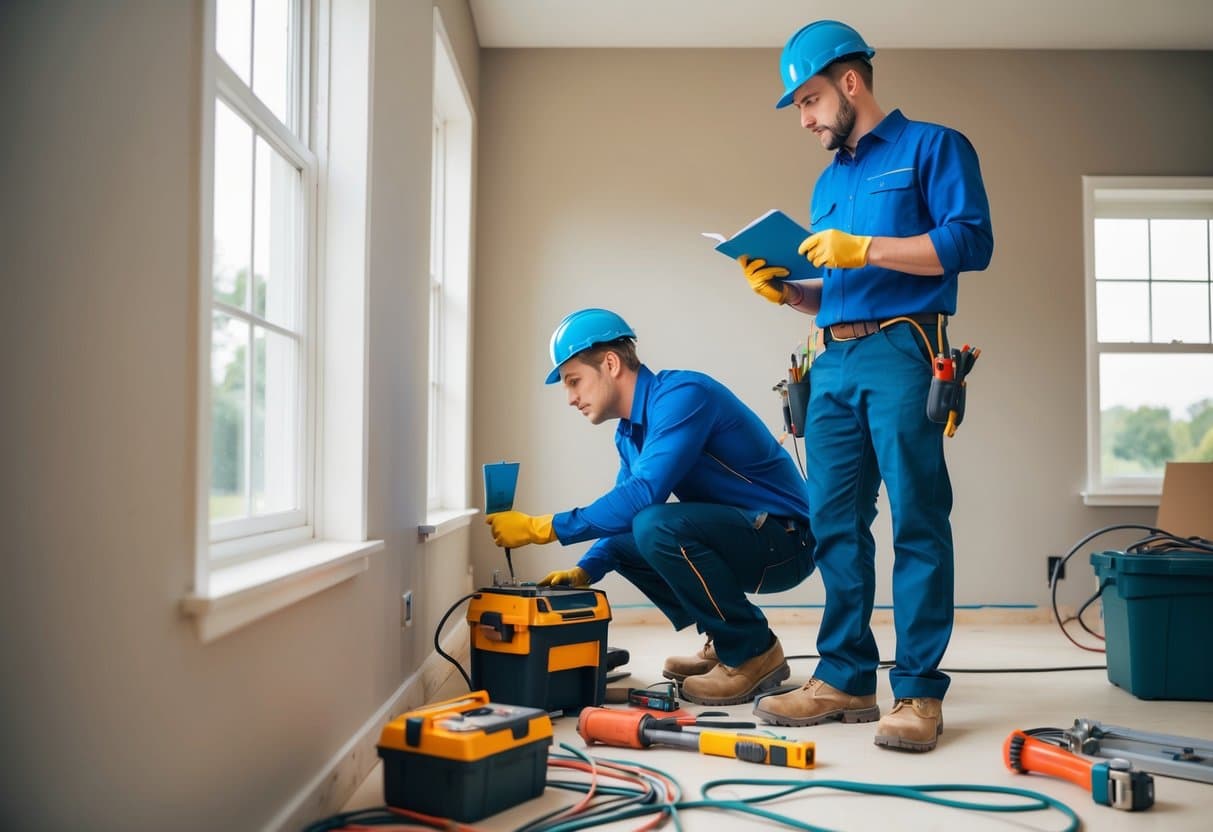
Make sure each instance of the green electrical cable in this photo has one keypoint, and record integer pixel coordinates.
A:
(923, 793)
(1036, 800)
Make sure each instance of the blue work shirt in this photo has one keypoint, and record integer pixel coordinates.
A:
(689, 436)
(906, 178)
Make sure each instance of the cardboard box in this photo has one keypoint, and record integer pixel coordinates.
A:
(1186, 507)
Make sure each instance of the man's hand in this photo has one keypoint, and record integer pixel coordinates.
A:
(576, 576)
(836, 249)
(512, 529)
(765, 280)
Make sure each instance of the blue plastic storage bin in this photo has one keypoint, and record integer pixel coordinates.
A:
(1158, 616)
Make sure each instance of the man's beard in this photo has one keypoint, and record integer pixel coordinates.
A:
(844, 122)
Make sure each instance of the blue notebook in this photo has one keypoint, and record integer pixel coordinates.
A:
(774, 237)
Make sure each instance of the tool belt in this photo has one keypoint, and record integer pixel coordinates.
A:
(853, 330)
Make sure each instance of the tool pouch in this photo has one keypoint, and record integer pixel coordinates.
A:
(798, 405)
(945, 396)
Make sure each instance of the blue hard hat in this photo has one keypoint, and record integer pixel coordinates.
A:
(582, 330)
(812, 49)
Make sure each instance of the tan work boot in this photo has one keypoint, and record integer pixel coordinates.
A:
(724, 685)
(814, 703)
(680, 667)
(912, 725)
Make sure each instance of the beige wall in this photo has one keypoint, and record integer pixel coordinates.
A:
(599, 169)
(114, 715)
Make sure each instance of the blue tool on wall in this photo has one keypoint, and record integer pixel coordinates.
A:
(500, 482)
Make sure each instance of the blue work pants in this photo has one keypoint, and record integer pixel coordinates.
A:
(697, 561)
(867, 422)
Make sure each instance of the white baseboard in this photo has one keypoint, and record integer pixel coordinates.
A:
(811, 614)
(329, 790)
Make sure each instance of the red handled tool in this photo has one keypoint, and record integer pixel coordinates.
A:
(1111, 783)
(633, 728)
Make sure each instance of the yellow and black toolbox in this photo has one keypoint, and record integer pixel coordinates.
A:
(465, 758)
(545, 647)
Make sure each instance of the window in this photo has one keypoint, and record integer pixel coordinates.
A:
(282, 459)
(262, 294)
(450, 243)
(1149, 331)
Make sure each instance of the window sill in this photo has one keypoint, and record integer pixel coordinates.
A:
(1119, 498)
(244, 592)
(444, 521)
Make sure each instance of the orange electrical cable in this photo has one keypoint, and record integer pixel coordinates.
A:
(1066, 633)
(633, 774)
(441, 823)
(580, 806)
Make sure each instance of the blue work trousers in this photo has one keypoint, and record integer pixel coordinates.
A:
(697, 561)
(867, 422)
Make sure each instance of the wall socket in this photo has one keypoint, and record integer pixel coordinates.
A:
(1061, 572)
(406, 609)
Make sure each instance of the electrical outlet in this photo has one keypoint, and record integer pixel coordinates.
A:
(1061, 571)
(406, 609)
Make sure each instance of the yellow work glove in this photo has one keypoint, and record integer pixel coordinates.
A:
(576, 576)
(764, 279)
(512, 529)
(836, 249)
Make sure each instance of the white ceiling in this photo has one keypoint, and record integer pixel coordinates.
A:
(913, 24)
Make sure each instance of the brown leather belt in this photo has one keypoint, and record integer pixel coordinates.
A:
(851, 330)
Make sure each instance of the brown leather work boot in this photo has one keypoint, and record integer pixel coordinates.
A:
(680, 667)
(814, 703)
(724, 685)
(912, 725)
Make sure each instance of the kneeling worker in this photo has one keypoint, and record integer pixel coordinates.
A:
(741, 524)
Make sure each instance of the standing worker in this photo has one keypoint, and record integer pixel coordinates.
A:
(741, 524)
(898, 214)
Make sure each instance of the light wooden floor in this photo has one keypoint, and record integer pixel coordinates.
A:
(979, 712)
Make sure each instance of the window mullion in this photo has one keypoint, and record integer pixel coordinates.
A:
(237, 95)
(249, 383)
(1150, 280)
(252, 44)
(250, 294)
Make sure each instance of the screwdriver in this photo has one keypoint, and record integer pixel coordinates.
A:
(637, 729)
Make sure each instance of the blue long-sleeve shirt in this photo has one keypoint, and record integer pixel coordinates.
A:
(906, 178)
(689, 436)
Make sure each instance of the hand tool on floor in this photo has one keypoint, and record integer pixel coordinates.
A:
(663, 699)
(632, 728)
(1189, 758)
(1113, 783)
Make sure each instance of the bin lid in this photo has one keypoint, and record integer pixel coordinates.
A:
(1184, 562)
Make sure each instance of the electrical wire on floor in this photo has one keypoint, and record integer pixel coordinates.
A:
(646, 791)
(569, 818)
(438, 632)
(386, 817)
(1157, 542)
(645, 788)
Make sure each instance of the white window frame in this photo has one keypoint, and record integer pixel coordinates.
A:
(437, 430)
(1147, 192)
(245, 538)
(240, 580)
(449, 392)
